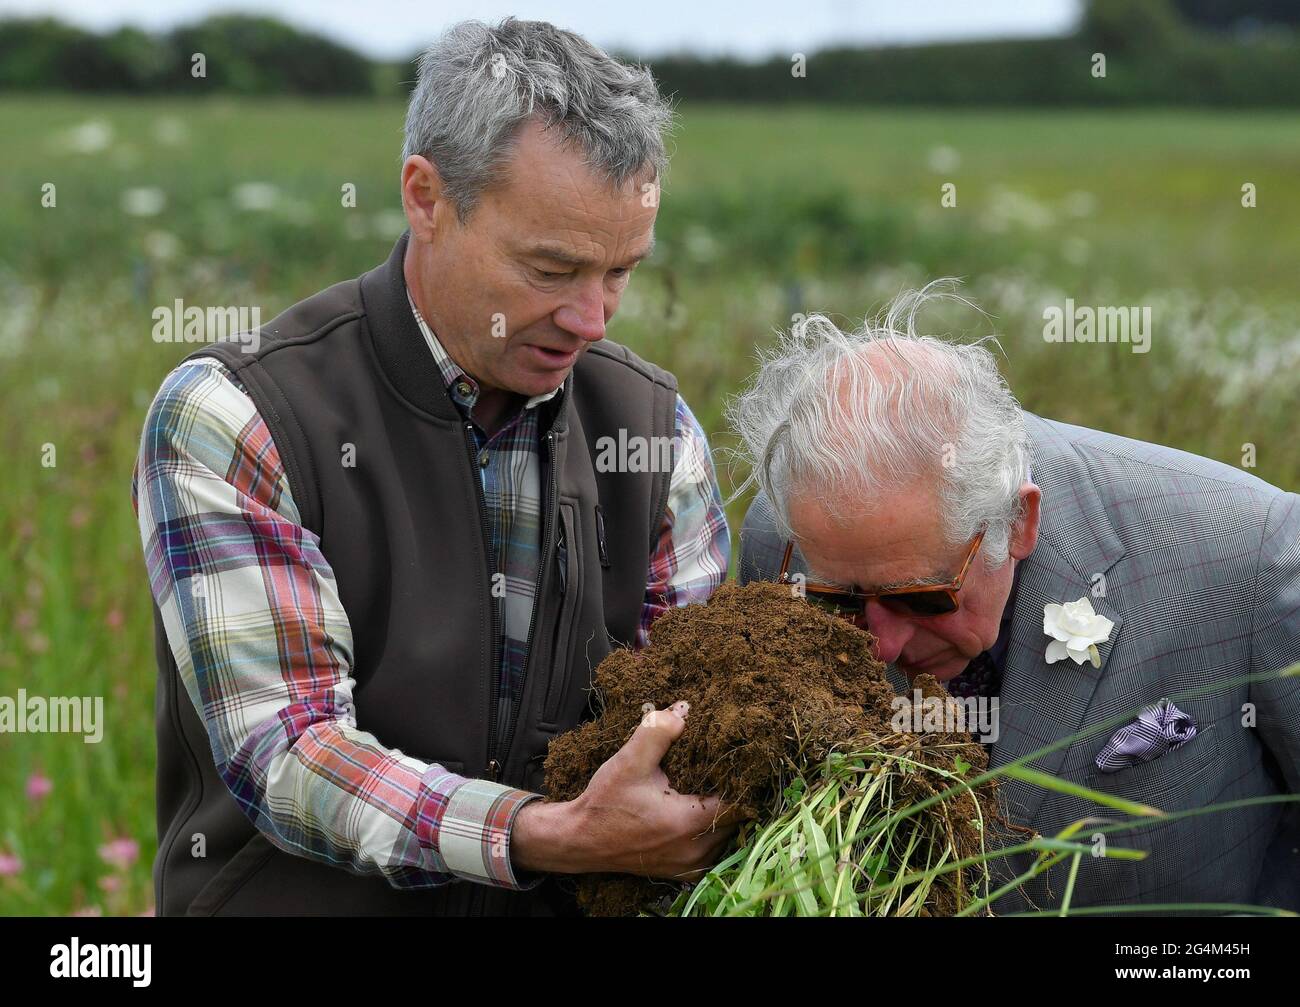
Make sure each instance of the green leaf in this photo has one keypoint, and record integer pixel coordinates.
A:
(1075, 790)
(821, 853)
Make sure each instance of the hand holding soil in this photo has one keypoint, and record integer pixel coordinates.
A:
(774, 686)
(629, 819)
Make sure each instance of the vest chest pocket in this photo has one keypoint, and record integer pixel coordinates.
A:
(233, 875)
(568, 581)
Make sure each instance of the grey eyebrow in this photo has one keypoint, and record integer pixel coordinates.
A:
(557, 254)
(645, 253)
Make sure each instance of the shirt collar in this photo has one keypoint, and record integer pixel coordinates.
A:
(462, 388)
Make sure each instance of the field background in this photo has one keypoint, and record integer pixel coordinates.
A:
(768, 211)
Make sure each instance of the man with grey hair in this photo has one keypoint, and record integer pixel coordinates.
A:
(383, 554)
(1066, 575)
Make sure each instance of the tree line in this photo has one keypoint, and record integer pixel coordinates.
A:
(1203, 52)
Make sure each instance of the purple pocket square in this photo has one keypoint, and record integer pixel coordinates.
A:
(1158, 729)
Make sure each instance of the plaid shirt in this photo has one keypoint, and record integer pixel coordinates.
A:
(264, 648)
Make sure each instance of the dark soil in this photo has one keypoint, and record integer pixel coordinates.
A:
(774, 684)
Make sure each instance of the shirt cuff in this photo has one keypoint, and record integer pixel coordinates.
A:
(475, 831)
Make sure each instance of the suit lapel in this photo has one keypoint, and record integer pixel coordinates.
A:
(1041, 703)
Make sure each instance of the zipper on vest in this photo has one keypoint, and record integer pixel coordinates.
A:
(471, 448)
(562, 560)
(601, 549)
(551, 503)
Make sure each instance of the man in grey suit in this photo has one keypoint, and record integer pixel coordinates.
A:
(891, 460)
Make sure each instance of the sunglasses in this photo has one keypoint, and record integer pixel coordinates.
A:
(912, 599)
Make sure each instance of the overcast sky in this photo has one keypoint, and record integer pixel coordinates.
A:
(389, 28)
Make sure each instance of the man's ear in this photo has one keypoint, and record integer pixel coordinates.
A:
(1024, 533)
(423, 200)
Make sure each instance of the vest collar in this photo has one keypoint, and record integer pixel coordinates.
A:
(460, 384)
(404, 355)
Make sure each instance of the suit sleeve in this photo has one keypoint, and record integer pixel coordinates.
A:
(762, 546)
(1276, 635)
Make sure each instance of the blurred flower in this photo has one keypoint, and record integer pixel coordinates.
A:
(388, 223)
(1080, 204)
(120, 853)
(88, 911)
(299, 211)
(148, 912)
(38, 643)
(25, 620)
(9, 865)
(169, 130)
(113, 619)
(202, 272)
(110, 883)
(255, 196)
(1075, 250)
(700, 244)
(354, 227)
(943, 159)
(161, 245)
(38, 786)
(144, 201)
(1007, 208)
(90, 137)
(79, 517)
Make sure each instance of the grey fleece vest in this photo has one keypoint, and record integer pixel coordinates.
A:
(406, 535)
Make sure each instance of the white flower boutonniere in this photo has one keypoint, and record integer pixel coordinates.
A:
(1075, 630)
